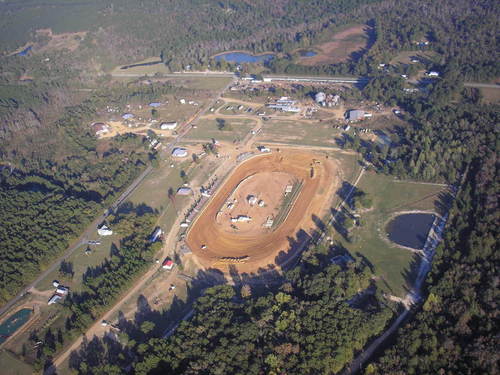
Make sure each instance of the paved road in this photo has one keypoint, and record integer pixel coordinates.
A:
(76, 244)
(179, 75)
(482, 85)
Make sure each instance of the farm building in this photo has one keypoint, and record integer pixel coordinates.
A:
(241, 219)
(263, 149)
(155, 236)
(99, 128)
(104, 231)
(179, 152)
(167, 264)
(127, 116)
(184, 191)
(168, 125)
(355, 115)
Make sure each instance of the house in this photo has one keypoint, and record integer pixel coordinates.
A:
(156, 235)
(168, 125)
(55, 283)
(54, 299)
(355, 115)
(167, 264)
(127, 116)
(179, 152)
(433, 73)
(104, 231)
(182, 101)
(184, 191)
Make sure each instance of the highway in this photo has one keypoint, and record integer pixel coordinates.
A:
(82, 240)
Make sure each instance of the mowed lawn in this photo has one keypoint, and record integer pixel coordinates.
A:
(13, 366)
(394, 266)
(208, 129)
(299, 132)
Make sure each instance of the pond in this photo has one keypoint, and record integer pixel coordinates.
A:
(308, 53)
(13, 323)
(410, 230)
(242, 57)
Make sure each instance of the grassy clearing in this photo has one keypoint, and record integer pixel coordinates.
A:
(287, 204)
(202, 83)
(405, 57)
(207, 129)
(299, 132)
(490, 95)
(393, 265)
(12, 365)
(142, 70)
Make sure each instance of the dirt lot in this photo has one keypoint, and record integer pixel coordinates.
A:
(340, 48)
(266, 186)
(258, 250)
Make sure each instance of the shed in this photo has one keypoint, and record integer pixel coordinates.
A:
(155, 104)
(167, 264)
(355, 115)
(179, 152)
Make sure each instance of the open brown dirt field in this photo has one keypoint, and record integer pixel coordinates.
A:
(257, 250)
(340, 48)
(266, 186)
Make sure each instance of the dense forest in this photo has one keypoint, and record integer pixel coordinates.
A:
(55, 177)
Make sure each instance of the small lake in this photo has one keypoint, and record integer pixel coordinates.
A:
(308, 53)
(410, 229)
(242, 57)
(13, 323)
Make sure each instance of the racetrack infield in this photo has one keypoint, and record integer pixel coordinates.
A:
(264, 250)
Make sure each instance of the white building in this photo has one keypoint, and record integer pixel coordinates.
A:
(251, 199)
(104, 231)
(54, 299)
(62, 290)
(168, 125)
(263, 149)
(127, 116)
(320, 97)
(179, 152)
(433, 73)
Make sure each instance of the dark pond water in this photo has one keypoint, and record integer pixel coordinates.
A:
(410, 229)
(13, 323)
(25, 51)
(242, 57)
(307, 53)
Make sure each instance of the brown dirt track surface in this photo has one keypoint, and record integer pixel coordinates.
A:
(263, 248)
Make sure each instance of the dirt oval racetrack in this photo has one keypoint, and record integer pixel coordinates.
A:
(319, 182)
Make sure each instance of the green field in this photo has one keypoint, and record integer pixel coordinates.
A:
(202, 83)
(299, 132)
(392, 264)
(13, 366)
(207, 129)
